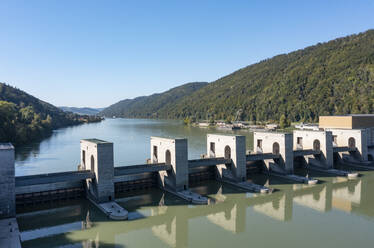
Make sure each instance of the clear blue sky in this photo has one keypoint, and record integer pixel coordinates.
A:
(95, 53)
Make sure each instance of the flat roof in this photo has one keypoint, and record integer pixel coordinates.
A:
(6, 146)
(272, 132)
(167, 138)
(96, 141)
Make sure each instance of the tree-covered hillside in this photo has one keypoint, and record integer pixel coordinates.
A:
(24, 118)
(336, 77)
(82, 111)
(150, 106)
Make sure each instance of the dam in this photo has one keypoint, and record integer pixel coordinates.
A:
(226, 160)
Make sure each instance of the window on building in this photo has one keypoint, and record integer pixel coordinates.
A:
(212, 149)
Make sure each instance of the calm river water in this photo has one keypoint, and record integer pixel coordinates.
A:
(334, 213)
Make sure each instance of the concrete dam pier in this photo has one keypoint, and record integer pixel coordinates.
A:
(169, 168)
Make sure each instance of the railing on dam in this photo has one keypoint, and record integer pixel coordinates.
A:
(305, 152)
(50, 187)
(53, 178)
(344, 149)
(195, 163)
(261, 156)
(138, 169)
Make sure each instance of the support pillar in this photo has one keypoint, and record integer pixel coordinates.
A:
(277, 143)
(229, 147)
(318, 141)
(7, 181)
(97, 156)
(352, 138)
(174, 152)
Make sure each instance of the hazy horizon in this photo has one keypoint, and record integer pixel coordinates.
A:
(93, 54)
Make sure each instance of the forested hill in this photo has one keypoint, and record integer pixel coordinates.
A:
(24, 118)
(82, 111)
(150, 106)
(336, 77)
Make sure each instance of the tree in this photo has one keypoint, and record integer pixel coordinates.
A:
(212, 121)
(187, 121)
(283, 122)
(228, 120)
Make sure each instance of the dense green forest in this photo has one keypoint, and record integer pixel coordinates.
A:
(150, 106)
(24, 118)
(336, 77)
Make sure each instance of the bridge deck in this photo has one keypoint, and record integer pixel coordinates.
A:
(261, 156)
(69, 176)
(343, 149)
(305, 152)
(141, 168)
(207, 162)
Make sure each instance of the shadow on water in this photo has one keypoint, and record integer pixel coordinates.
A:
(165, 219)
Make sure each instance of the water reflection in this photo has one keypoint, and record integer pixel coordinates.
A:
(159, 219)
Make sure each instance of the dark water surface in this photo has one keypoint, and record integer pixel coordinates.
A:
(335, 213)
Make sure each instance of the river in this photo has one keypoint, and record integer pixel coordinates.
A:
(335, 213)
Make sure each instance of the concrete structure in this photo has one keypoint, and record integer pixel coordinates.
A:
(174, 152)
(355, 139)
(7, 181)
(234, 171)
(360, 121)
(171, 152)
(97, 156)
(173, 225)
(316, 141)
(172, 170)
(228, 147)
(276, 143)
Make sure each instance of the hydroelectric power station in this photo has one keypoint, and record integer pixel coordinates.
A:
(349, 140)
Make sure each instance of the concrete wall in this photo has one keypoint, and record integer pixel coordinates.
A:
(235, 149)
(347, 121)
(47, 187)
(99, 159)
(308, 141)
(285, 141)
(177, 178)
(342, 122)
(370, 133)
(7, 181)
(360, 136)
(362, 121)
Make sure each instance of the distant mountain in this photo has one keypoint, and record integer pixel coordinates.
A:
(150, 106)
(336, 77)
(24, 118)
(82, 111)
